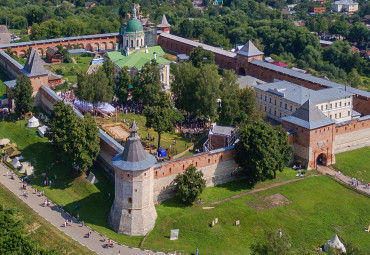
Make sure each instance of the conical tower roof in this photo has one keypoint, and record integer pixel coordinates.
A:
(309, 116)
(309, 112)
(34, 64)
(134, 157)
(249, 49)
(163, 22)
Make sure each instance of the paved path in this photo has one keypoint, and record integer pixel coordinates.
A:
(58, 217)
(260, 189)
(341, 177)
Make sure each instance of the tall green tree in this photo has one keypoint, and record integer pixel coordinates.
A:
(247, 106)
(122, 83)
(190, 184)
(199, 56)
(267, 149)
(340, 27)
(147, 83)
(75, 138)
(109, 71)
(354, 79)
(22, 94)
(161, 116)
(358, 32)
(229, 98)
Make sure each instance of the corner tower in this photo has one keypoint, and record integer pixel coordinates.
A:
(133, 212)
(163, 25)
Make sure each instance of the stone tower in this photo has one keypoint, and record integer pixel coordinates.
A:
(133, 212)
(163, 25)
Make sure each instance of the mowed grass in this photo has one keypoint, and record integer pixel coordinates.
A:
(166, 138)
(37, 228)
(70, 188)
(313, 216)
(70, 70)
(354, 163)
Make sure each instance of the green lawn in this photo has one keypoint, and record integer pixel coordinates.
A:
(313, 216)
(3, 77)
(166, 139)
(39, 230)
(70, 69)
(354, 163)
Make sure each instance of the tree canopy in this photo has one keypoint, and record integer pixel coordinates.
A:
(76, 138)
(122, 83)
(262, 150)
(190, 184)
(22, 94)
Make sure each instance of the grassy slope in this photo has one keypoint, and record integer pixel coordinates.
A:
(354, 163)
(166, 139)
(40, 231)
(312, 218)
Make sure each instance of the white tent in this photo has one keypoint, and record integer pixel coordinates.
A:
(336, 244)
(29, 170)
(25, 165)
(33, 122)
(4, 141)
(42, 130)
(16, 163)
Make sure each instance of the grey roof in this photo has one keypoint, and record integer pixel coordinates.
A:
(309, 116)
(134, 157)
(249, 50)
(248, 81)
(3, 29)
(222, 130)
(34, 64)
(51, 93)
(347, 2)
(355, 114)
(52, 50)
(10, 84)
(163, 22)
(79, 51)
(300, 95)
(326, 42)
(10, 59)
(196, 44)
(109, 140)
(366, 117)
(2, 46)
(310, 78)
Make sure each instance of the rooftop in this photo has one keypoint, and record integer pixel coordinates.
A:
(196, 44)
(310, 78)
(300, 95)
(346, 2)
(222, 130)
(249, 50)
(309, 116)
(163, 22)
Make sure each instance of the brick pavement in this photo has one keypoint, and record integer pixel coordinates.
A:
(57, 218)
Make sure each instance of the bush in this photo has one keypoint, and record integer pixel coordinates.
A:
(190, 184)
(59, 71)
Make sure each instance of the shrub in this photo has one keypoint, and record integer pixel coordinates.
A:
(190, 184)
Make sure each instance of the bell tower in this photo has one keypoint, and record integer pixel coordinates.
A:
(133, 212)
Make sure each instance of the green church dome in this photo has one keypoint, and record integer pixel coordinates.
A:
(134, 25)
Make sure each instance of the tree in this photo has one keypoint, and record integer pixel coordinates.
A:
(65, 54)
(267, 149)
(147, 83)
(190, 184)
(247, 106)
(229, 98)
(186, 28)
(354, 79)
(161, 116)
(109, 71)
(76, 138)
(358, 32)
(22, 94)
(275, 243)
(339, 54)
(340, 27)
(199, 56)
(122, 83)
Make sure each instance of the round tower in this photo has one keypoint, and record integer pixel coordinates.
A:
(133, 212)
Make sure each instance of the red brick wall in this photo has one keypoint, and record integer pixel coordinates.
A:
(217, 141)
(175, 167)
(38, 81)
(361, 104)
(352, 126)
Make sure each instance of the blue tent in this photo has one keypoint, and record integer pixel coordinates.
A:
(161, 153)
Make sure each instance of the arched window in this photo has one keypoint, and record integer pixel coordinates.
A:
(137, 42)
(142, 44)
(132, 43)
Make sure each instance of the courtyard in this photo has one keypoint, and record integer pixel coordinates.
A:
(310, 203)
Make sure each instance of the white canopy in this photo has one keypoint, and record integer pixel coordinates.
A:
(16, 163)
(42, 130)
(4, 141)
(104, 107)
(24, 167)
(33, 122)
(336, 244)
(29, 170)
